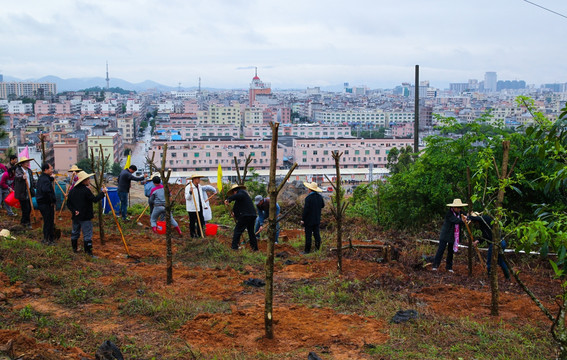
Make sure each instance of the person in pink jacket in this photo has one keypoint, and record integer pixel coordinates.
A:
(7, 186)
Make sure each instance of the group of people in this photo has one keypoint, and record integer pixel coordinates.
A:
(250, 215)
(452, 232)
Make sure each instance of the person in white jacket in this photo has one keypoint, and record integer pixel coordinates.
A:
(197, 204)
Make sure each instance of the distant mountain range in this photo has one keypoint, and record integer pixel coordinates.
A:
(74, 84)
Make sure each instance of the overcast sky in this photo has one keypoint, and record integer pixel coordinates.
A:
(294, 43)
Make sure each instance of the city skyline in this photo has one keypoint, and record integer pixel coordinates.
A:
(294, 45)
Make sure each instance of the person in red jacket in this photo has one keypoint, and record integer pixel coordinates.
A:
(7, 186)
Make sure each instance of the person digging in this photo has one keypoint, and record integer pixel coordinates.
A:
(485, 224)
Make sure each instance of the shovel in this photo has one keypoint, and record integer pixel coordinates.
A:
(139, 217)
(119, 227)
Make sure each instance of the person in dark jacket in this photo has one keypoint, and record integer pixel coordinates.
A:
(24, 186)
(263, 207)
(451, 233)
(124, 181)
(485, 224)
(45, 197)
(244, 213)
(80, 203)
(311, 217)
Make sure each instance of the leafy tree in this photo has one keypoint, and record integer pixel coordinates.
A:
(85, 165)
(546, 231)
(3, 133)
(116, 169)
(400, 160)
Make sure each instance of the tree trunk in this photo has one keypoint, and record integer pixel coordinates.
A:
(502, 176)
(470, 250)
(339, 213)
(273, 191)
(165, 180)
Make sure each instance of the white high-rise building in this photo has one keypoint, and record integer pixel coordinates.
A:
(490, 80)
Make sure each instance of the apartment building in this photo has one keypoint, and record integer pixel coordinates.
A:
(29, 89)
(127, 125)
(300, 130)
(376, 117)
(191, 156)
(111, 145)
(194, 132)
(68, 151)
(357, 153)
(225, 115)
(16, 107)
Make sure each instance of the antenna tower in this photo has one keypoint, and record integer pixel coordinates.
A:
(107, 78)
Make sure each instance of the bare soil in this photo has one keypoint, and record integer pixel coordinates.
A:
(340, 336)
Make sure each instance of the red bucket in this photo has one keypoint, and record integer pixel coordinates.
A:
(12, 201)
(160, 227)
(211, 229)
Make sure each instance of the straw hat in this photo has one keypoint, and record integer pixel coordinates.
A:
(236, 186)
(74, 168)
(23, 159)
(312, 186)
(195, 176)
(457, 203)
(5, 233)
(82, 176)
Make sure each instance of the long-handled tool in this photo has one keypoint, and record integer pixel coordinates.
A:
(197, 211)
(117, 224)
(31, 201)
(139, 217)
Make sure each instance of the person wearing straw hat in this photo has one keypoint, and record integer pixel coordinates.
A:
(80, 203)
(46, 202)
(196, 204)
(450, 236)
(157, 200)
(311, 217)
(74, 170)
(485, 224)
(244, 213)
(24, 187)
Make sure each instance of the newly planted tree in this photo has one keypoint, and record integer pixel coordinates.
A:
(338, 208)
(273, 191)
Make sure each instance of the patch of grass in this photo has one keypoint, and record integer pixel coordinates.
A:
(171, 314)
(211, 253)
(431, 338)
(347, 296)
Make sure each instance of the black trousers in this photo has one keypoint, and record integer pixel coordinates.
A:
(245, 223)
(312, 230)
(26, 211)
(194, 224)
(48, 215)
(439, 255)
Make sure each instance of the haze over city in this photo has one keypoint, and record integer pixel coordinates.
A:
(294, 44)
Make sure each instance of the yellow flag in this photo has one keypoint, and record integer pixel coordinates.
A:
(219, 178)
(127, 162)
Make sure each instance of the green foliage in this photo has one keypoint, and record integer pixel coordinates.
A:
(400, 160)
(85, 165)
(116, 169)
(254, 186)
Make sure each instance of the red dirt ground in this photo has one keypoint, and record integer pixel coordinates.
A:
(342, 336)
